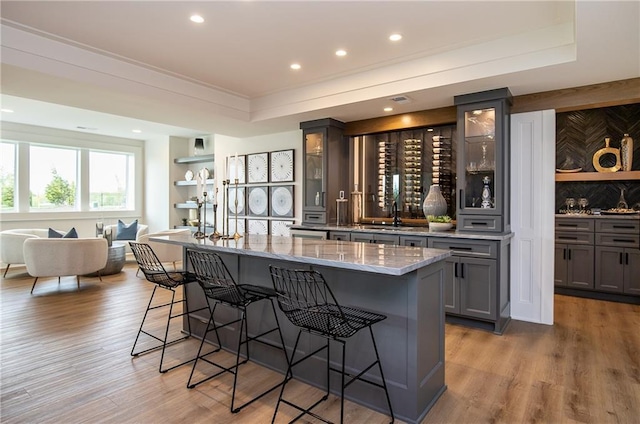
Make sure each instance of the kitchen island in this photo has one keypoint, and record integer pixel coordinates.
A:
(404, 283)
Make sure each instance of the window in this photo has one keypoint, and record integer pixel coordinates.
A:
(8, 175)
(55, 174)
(110, 180)
(53, 178)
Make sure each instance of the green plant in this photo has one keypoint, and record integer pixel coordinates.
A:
(439, 218)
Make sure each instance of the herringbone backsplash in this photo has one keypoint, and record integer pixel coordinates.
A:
(579, 135)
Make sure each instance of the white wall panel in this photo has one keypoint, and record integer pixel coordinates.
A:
(532, 209)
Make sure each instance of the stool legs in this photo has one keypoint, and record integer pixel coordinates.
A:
(343, 384)
(163, 341)
(243, 339)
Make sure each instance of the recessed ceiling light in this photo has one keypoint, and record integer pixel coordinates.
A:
(430, 129)
(136, 131)
(295, 66)
(7, 110)
(388, 109)
(395, 37)
(341, 52)
(197, 19)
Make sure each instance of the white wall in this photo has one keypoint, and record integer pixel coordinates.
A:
(229, 146)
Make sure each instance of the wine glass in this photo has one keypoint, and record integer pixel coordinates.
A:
(570, 202)
(583, 202)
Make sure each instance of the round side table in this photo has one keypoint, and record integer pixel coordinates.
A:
(115, 259)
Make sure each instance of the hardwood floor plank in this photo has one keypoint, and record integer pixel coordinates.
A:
(65, 358)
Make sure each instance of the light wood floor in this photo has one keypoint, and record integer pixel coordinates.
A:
(65, 359)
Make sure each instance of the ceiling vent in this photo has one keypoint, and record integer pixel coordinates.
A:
(401, 99)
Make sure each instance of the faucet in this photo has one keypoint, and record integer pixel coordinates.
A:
(394, 208)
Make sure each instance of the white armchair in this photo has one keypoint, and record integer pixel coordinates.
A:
(164, 251)
(142, 230)
(55, 257)
(11, 242)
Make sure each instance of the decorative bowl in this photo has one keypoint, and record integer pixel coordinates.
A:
(440, 226)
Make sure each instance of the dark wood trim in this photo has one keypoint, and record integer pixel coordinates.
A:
(424, 118)
(613, 93)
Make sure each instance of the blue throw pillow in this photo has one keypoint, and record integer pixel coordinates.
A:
(71, 234)
(127, 232)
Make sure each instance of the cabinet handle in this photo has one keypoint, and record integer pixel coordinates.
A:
(461, 270)
(455, 270)
(479, 223)
(469, 249)
(569, 250)
(620, 258)
(567, 238)
(567, 225)
(564, 254)
(461, 199)
(624, 227)
(624, 241)
(412, 244)
(626, 258)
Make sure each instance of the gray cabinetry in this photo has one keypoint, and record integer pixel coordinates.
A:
(483, 161)
(573, 266)
(375, 238)
(574, 253)
(617, 266)
(326, 169)
(476, 280)
(413, 241)
(340, 235)
(600, 256)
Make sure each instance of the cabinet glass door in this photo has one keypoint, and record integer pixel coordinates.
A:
(314, 170)
(480, 158)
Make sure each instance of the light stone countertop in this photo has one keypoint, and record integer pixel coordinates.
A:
(635, 216)
(365, 257)
(405, 231)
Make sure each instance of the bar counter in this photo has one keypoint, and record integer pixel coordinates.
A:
(404, 283)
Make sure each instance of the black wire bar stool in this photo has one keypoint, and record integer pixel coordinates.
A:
(155, 272)
(308, 302)
(221, 289)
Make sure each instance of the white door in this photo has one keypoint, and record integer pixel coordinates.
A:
(533, 143)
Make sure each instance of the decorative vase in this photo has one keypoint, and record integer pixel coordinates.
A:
(626, 151)
(434, 204)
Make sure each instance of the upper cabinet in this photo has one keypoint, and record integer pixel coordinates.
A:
(326, 169)
(482, 161)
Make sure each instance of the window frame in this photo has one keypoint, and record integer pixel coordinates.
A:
(25, 135)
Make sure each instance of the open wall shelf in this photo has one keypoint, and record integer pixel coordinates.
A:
(599, 176)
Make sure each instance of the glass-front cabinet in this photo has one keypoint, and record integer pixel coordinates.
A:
(483, 161)
(326, 169)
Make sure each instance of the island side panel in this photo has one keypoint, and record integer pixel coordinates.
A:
(430, 322)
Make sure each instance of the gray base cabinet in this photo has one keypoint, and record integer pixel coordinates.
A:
(573, 266)
(476, 280)
(470, 287)
(598, 255)
(340, 235)
(476, 276)
(617, 253)
(376, 238)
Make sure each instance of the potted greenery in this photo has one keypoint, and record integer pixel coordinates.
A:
(439, 223)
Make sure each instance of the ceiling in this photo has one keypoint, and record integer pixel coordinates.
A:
(114, 66)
